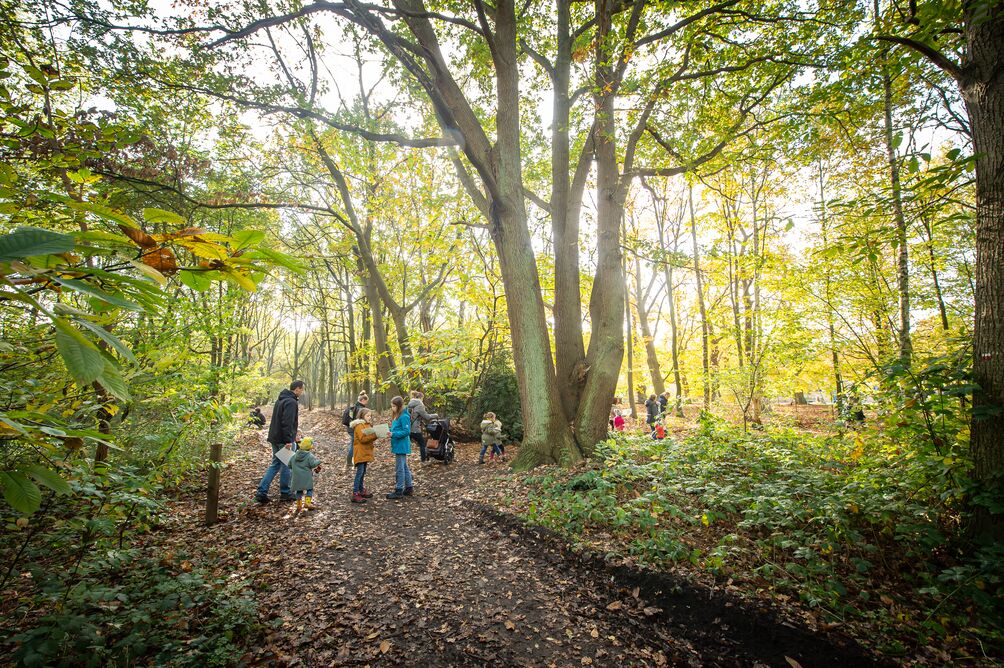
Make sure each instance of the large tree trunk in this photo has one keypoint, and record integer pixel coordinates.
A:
(569, 349)
(606, 342)
(547, 437)
(982, 84)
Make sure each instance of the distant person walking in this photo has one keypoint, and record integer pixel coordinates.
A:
(282, 432)
(652, 411)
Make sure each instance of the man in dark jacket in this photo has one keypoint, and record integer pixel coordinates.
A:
(282, 432)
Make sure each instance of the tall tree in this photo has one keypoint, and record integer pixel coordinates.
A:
(978, 74)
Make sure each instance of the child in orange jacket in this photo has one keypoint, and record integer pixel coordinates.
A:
(362, 452)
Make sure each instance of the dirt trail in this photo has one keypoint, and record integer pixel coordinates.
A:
(440, 580)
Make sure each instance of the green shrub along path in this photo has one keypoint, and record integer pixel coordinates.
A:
(443, 578)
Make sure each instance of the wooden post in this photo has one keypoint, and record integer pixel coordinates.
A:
(213, 496)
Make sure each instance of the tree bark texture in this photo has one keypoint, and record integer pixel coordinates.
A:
(982, 85)
(569, 349)
(606, 343)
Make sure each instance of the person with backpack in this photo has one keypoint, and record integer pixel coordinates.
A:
(282, 433)
(418, 415)
(348, 416)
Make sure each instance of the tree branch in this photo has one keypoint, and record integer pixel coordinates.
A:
(197, 204)
(304, 113)
(260, 24)
(683, 23)
(544, 63)
(939, 59)
(537, 199)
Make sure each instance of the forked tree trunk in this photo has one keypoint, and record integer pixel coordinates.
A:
(547, 437)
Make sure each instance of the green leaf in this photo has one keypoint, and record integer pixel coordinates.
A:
(154, 215)
(49, 478)
(247, 238)
(196, 280)
(103, 211)
(30, 241)
(82, 359)
(89, 289)
(110, 339)
(22, 494)
(13, 425)
(275, 257)
(112, 381)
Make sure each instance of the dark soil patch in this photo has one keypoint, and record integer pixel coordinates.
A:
(726, 630)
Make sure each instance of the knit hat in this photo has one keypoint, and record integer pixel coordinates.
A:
(307, 443)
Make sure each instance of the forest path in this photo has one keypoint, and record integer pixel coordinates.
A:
(438, 579)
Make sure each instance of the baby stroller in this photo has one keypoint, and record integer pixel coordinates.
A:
(442, 447)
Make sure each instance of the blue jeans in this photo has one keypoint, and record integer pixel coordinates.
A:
(352, 440)
(484, 448)
(402, 474)
(357, 486)
(285, 474)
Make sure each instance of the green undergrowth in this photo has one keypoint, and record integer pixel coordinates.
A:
(95, 579)
(858, 530)
(130, 609)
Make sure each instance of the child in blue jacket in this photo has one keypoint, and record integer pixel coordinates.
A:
(400, 445)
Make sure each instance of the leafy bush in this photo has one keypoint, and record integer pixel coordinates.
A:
(857, 527)
(499, 394)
